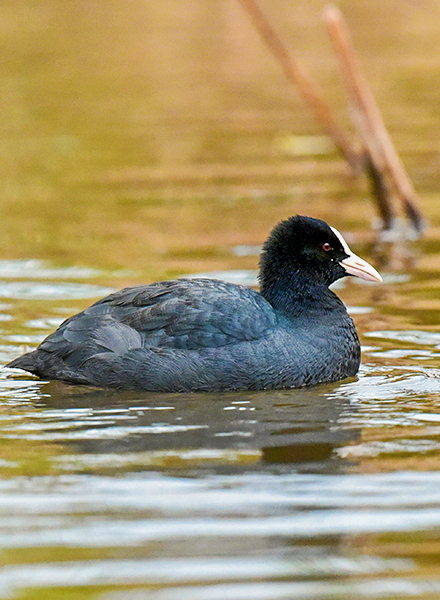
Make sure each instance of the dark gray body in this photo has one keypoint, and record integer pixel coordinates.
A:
(196, 335)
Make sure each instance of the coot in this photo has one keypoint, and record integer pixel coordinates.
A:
(209, 335)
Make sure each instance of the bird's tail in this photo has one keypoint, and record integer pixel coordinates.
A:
(27, 362)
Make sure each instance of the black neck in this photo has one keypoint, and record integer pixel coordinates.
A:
(295, 293)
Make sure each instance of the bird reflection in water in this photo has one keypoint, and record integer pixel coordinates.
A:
(284, 428)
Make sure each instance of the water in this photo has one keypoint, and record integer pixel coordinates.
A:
(142, 141)
(327, 492)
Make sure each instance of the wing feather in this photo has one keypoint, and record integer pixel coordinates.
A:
(180, 314)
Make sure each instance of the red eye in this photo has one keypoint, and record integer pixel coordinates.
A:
(326, 246)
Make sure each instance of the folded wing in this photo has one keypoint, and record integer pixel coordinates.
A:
(181, 314)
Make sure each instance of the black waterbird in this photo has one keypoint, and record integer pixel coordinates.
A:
(209, 335)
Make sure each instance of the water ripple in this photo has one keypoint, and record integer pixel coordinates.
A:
(38, 269)
(26, 290)
(172, 571)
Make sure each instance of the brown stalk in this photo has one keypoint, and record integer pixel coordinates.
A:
(298, 74)
(369, 120)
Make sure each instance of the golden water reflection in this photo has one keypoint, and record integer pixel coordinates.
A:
(145, 140)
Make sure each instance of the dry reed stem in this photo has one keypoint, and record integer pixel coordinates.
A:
(368, 117)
